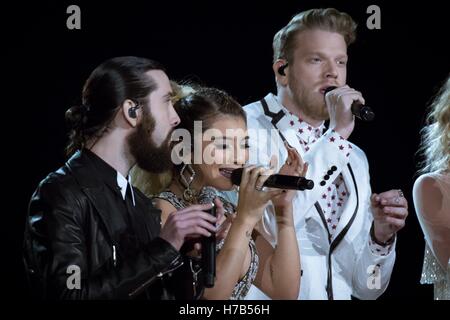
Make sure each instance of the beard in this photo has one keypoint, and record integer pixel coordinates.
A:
(148, 156)
(310, 103)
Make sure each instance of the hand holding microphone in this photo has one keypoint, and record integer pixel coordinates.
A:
(344, 102)
(252, 196)
(207, 195)
(293, 166)
(278, 181)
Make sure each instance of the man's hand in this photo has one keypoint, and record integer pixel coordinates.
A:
(339, 102)
(390, 210)
(190, 222)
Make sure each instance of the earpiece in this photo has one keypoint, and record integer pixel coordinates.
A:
(281, 69)
(132, 112)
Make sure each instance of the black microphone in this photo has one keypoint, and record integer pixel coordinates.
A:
(279, 181)
(360, 111)
(207, 195)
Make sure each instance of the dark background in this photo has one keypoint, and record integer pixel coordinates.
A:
(223, 44)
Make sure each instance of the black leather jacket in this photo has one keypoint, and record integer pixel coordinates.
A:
(77, 218)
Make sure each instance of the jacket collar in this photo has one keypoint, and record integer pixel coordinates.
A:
(304, 131)
(94, 176)
(91, 171)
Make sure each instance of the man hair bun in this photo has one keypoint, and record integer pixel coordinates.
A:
(76, 116)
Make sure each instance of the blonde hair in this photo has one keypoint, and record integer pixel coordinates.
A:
(435, 144)
(151, 184)
(328, 19)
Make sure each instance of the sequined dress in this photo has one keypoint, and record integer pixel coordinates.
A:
(432, 271)
(243, 286)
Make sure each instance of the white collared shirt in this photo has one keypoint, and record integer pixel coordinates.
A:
(123, 183)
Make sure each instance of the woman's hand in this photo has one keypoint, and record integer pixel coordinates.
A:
(224, 226)
(252, 198)
(294, 166)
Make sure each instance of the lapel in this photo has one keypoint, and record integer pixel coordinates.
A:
(351, 206)
(282, 127)
(103, 205)
(147, 216)
(94, 188)
(353, 200)
(349, 212)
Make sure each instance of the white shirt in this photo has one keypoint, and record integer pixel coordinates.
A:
(123, 183)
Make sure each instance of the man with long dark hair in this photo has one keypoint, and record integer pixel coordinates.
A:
(89, 233)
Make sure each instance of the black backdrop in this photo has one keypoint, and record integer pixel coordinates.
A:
(223, 44)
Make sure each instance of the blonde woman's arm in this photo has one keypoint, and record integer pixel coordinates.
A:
(429, 201)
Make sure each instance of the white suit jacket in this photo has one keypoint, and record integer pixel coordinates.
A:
(336, 270)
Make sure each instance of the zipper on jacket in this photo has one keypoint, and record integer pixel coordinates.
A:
(175, 264)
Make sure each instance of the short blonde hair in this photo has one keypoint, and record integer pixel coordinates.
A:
(328, 19)
(435, 144)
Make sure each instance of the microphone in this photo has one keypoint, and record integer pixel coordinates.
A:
(278, 181)
(207, 195)
(360, 111)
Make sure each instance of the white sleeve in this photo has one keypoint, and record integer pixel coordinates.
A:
(371, 272)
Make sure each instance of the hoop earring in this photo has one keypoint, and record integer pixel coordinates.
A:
(189, 194)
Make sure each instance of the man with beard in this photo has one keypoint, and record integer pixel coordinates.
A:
(346, 234)
(89, 233)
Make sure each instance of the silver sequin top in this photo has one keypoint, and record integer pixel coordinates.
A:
(243, 286)
(432, 273)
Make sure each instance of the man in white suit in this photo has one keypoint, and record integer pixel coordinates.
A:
(346, 234)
